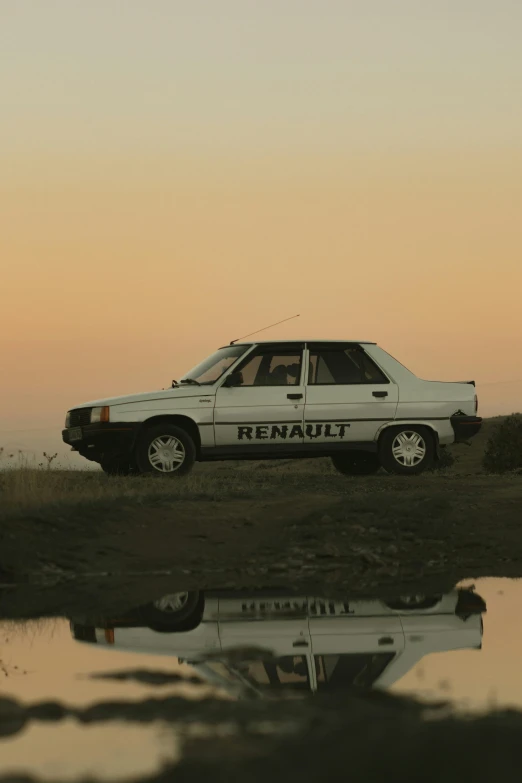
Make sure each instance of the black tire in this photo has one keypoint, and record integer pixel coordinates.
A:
(162, 432)
(356, 463)
(117, 467)
(162, 615)
(418, 444)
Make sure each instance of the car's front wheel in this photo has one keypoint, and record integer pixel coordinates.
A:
(357, 463)
(113, 466)
(165, 450)
(171, 612)
(407, 450)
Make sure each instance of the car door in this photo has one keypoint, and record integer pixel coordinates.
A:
(352, 649)
(348, 398)
(264, 411)
(252, 625)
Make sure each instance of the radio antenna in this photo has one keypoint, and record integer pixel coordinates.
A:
(264, 328)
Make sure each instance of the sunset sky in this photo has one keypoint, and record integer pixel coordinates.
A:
(176, 174)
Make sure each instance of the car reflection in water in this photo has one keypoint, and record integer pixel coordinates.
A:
(254, 644)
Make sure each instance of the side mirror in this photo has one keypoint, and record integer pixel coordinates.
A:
(234, 379)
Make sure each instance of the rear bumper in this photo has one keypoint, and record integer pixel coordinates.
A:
(469, 603)
(111, 438)
(465, 427)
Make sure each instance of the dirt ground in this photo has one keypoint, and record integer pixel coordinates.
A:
(70, 541)
(378, 536)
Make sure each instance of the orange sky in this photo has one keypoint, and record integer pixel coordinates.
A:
(172, 178)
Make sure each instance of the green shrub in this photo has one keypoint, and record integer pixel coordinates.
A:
(446, 459)
(504, 448)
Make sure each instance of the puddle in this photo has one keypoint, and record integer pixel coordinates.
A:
(102, 694)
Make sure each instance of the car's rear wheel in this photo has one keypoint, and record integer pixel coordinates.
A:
(411, 602)
(171, 612)
(165, 450)
(356, 463)
(407, 450)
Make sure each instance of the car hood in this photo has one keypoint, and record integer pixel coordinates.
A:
(162, 394)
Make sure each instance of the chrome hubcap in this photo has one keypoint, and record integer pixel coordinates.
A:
(172, 602)
(166, 454)
(409, 448)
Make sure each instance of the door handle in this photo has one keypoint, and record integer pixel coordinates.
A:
(301, 643)
(380, 394)
(385, 640)
(295, 396)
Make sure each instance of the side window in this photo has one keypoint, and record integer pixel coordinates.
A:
(250, 371)
(355, 670)
(371, 372)
(272, 368)
(343, 366)
(318, 371)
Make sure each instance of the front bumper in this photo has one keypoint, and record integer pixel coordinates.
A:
(465, 427)
(103, 439)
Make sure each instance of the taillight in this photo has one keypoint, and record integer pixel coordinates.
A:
(109, 635)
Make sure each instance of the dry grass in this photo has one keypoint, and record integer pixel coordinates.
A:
(30, 488)
(25, 487)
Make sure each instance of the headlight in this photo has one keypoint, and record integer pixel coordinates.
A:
(100, 414)
(67, 419)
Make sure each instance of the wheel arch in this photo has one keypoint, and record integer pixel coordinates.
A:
(426, 423)
(185, 422)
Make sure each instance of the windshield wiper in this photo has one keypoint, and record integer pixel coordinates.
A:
(190, 380)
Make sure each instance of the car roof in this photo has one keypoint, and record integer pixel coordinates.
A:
(303, 340)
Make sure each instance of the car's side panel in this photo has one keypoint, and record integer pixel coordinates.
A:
(433, 399)
(202, 639)
(280, 625)
(442, 427)
(199, 409)
(427, 634)
(270, 416)
(337, 413)
(424, 399)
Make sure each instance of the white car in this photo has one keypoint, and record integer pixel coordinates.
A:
(350, 401)
(263, 641)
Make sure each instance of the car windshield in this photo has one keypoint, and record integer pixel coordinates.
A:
(213, 367)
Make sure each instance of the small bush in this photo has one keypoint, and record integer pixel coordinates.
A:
(446, 459)
(504, 448)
